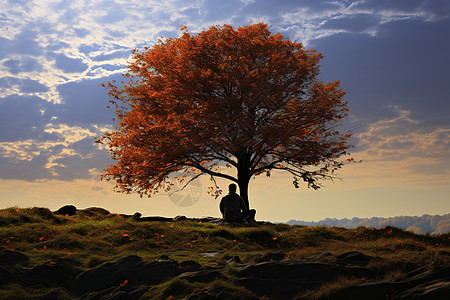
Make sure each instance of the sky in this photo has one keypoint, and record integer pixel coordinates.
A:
(391, 57)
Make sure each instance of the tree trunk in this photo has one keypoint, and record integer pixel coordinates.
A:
(243, 176)
(243, 191)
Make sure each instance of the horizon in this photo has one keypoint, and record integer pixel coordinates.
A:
(391, 58)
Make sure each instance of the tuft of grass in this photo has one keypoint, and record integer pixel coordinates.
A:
(176, 287)
(13, 291)
(329, 290)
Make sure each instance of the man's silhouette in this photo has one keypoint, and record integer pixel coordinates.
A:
(233, 207)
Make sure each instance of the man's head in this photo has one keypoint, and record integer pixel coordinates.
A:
(232, 188)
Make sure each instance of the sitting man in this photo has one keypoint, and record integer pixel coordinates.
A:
(233, 207)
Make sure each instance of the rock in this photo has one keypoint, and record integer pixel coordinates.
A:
(433, 290)
(190, 266)
(284, 279)
(319, 256)
(368, 291)
(291, 270)
(219, 293)
(353, 258)
(204, 276)
(67, 210)
(105, 276)
(11, 258)
(130, 269)
(418, 284)
(156, 272)
(123, 292)
(50, 274)
(136, 216)
(269, 256)
(180, 218)
(5, 276)
(423, 276)
(148, 219)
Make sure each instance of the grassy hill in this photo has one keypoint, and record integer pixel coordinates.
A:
(94, 237)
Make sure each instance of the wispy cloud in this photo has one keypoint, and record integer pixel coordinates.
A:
(403, 150)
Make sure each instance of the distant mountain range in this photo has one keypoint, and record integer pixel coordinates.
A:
(425, 224)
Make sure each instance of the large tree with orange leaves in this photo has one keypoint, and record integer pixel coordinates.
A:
(243, 98)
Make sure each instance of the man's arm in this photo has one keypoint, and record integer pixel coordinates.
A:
(243, 206)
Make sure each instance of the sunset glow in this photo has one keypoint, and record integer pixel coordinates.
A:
(391, 58)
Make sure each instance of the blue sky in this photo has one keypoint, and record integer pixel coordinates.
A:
(390, 56)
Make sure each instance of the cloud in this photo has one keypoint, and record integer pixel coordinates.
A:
(70, 65)
(84, 103)
(432, 9)
(54, 55)
(22, 85)
(404, 64)
(401, 151)
(68, 153)
(25, 42)
(121, 53)
(355, 23)
(25, 64)
(21, 117)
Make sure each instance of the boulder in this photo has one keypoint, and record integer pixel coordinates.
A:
(190, 266)
(219, 293)
(156, 272)
(105, 276)
(204, 276)
(319, 256)
(130, 269)
(418, 284)
(5, 276)
(50, 274)
(180, 218)
(434, 290)
(123, 292)
(136, 216)
(284, 279)
(288, 269)
(353, 258)
(148, 219)
(11, 258)
(67, 210)
(369, 291)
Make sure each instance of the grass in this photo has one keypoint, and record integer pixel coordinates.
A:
(94, 237)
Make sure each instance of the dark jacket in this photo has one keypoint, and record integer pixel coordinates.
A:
(232, 207)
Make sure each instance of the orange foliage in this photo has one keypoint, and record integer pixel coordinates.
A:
(242, 98)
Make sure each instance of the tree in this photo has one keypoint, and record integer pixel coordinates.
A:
(224, 98)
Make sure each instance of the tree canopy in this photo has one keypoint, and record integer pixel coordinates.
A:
(224, 99)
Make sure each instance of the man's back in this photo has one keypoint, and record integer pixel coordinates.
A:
(232, 207)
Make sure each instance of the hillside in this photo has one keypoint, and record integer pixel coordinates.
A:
(98, 255)
(432, 224)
